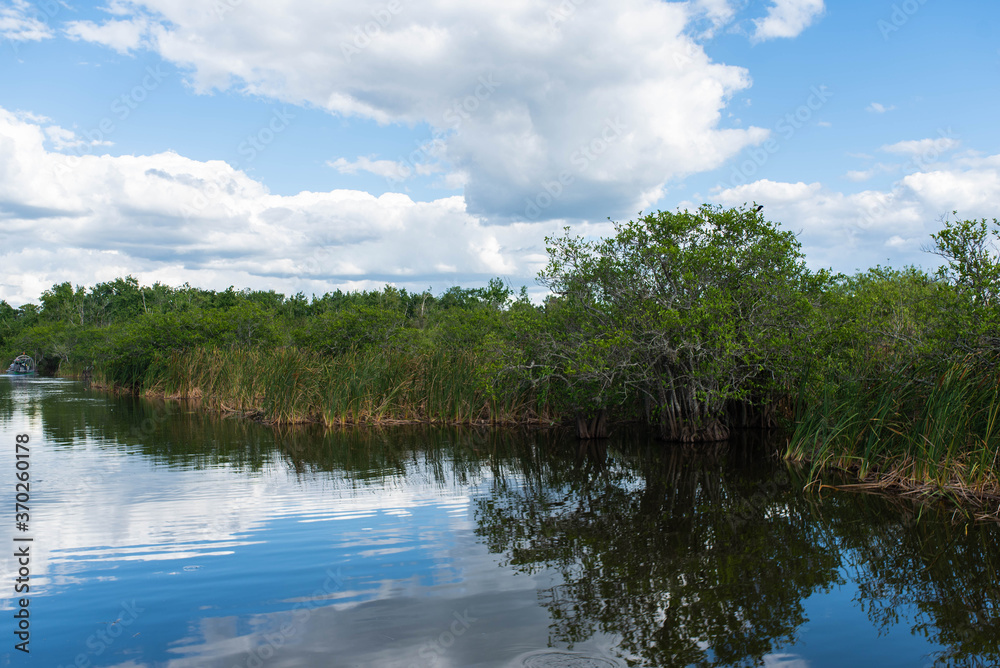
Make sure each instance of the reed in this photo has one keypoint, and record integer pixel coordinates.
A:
(290, 385)
(937, 434)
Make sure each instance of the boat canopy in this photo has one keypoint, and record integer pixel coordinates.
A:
(22, 364)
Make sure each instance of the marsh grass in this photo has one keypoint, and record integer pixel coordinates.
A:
(936, 436)
(291, 385)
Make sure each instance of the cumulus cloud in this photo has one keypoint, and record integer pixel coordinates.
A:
(86, 218)
(787, 18)
(868, 227)
(604, 103)
(21, 21)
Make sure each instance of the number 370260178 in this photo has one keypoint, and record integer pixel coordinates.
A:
(23, 475)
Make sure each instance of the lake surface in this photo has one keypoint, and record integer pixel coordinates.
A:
(162, 536)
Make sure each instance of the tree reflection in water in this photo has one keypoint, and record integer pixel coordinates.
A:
(947, 572)
(704, 558)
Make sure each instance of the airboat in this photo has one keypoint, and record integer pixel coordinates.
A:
(21, 366)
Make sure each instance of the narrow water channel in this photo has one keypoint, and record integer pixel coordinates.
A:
(165, 537)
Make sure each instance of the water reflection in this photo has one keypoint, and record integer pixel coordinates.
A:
(683, 556)
(246, 545)
(944, 575)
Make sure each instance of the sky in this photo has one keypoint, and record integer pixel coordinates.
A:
(306, 146)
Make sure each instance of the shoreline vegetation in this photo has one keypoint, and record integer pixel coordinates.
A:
(696, 323)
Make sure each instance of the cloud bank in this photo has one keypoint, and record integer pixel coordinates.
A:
(88, 218)
(605, 103)
(166, 217)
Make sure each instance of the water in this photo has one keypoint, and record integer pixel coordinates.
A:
(166, 537)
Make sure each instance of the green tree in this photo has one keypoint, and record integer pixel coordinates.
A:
(969, 248)
(62, 304)
(691, 310)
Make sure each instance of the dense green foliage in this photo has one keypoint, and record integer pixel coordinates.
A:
(905, 388)
(695, 322)
(342, 357)
(687, 310)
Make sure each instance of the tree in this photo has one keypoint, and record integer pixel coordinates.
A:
(61, 303)
(689, 310)
(882, 320)
(970, 252)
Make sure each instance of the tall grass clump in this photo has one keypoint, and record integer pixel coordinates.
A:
(937, 433)
(289, 385)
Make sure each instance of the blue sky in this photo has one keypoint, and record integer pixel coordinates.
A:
(313, 146)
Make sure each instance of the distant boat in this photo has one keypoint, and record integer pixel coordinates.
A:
(22, 366)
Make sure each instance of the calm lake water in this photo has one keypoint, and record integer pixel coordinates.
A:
(166, 537)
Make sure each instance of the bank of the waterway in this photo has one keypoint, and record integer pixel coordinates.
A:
(247, 545)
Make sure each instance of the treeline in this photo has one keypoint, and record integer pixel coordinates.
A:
(396, 355)
(697, 323)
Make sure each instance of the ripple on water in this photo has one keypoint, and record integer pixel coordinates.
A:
(557, 659)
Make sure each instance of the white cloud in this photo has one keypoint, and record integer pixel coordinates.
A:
(518, 100)
(63, 139)
(922, 146)
(719, 10)
(878, 108)
(715, 13)
(787, 18)
(896, 241)
(390, 170)
(21, 21)
(165, 217)
(122, 36)
(864, 175)
(858, 230)
(920, 154)
(973, 193)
